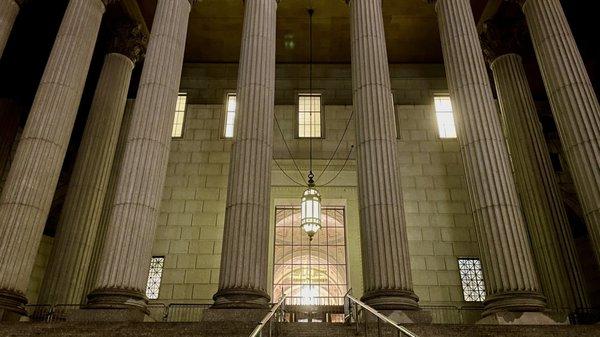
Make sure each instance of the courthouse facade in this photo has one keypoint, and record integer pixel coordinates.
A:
(455, 143)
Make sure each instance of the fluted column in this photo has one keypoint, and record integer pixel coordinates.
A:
(510, 277)
(244, 258)
(545, 214)
(64, 281)
(386, 264)
(111, 189)
(28, 192)
(573, 102)
(125, 260)
(9, 9)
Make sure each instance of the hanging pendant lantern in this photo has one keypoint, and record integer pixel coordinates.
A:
(310, 215)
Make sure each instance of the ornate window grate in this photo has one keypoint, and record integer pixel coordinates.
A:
(154, 277)
(471, 275)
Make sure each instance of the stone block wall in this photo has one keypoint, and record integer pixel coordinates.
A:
(192, 215)
(190, 225)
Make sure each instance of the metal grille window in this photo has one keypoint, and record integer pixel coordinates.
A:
(471, 276)
(154, 277)
(309, 116)
(445, 117)
(315, 275)
(230, 115)
(179, 116)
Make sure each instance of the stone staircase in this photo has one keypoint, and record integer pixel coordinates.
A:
(237, 329)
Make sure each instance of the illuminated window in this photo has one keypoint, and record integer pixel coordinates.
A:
(179, 116)
(445, 117)
(309, 116)
(230, 116)
(154, 277)
(315, 274)
(471, 276)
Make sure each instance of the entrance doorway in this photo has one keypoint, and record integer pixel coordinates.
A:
(312, 274)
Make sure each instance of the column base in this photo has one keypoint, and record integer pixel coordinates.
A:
(12, 305)
(115, 298)
(514, 302)
(241, 299)
(524, 318)
(392, 300)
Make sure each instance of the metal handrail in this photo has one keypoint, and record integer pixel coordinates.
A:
(381, 316)
(257, 331)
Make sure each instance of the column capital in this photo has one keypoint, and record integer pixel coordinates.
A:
(502, 36)
(128, 38)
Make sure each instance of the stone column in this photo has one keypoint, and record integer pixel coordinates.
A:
(28, 192)
(111, 189)
(547, 222)
(386, 264)
(573, 102)
(64, 281)
(9, 9)
(511, 280)
(125, 260)
(244, 259)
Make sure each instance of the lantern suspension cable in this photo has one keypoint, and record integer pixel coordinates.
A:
(310, 217)
(311, 11)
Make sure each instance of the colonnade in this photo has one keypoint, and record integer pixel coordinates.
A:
(507, 207)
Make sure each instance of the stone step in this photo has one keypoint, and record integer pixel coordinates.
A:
(237, 329)
(437, 330)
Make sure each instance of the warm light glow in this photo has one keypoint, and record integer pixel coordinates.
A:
(308, 295)
(179, 116)
(309, 116)
(230, 115)
(445, 117)
(310, 218)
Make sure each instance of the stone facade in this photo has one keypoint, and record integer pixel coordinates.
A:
(190, 228)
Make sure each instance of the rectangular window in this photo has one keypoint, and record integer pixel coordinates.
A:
(154, 277)
(230, 115)
(309, 116)
(471, 276)
(445, 117)
(179, 116)
(315, 273)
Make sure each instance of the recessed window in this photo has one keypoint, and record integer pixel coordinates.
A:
(179, 116)
(154, 277)
(445, 117)
(471, 276)
(309, 116)
(231, 105)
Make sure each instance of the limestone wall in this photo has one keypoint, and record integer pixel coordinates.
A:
(191, 222)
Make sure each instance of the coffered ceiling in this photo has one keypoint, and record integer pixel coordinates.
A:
(216, 27)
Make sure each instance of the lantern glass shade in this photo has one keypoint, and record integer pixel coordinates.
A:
(310, 217)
